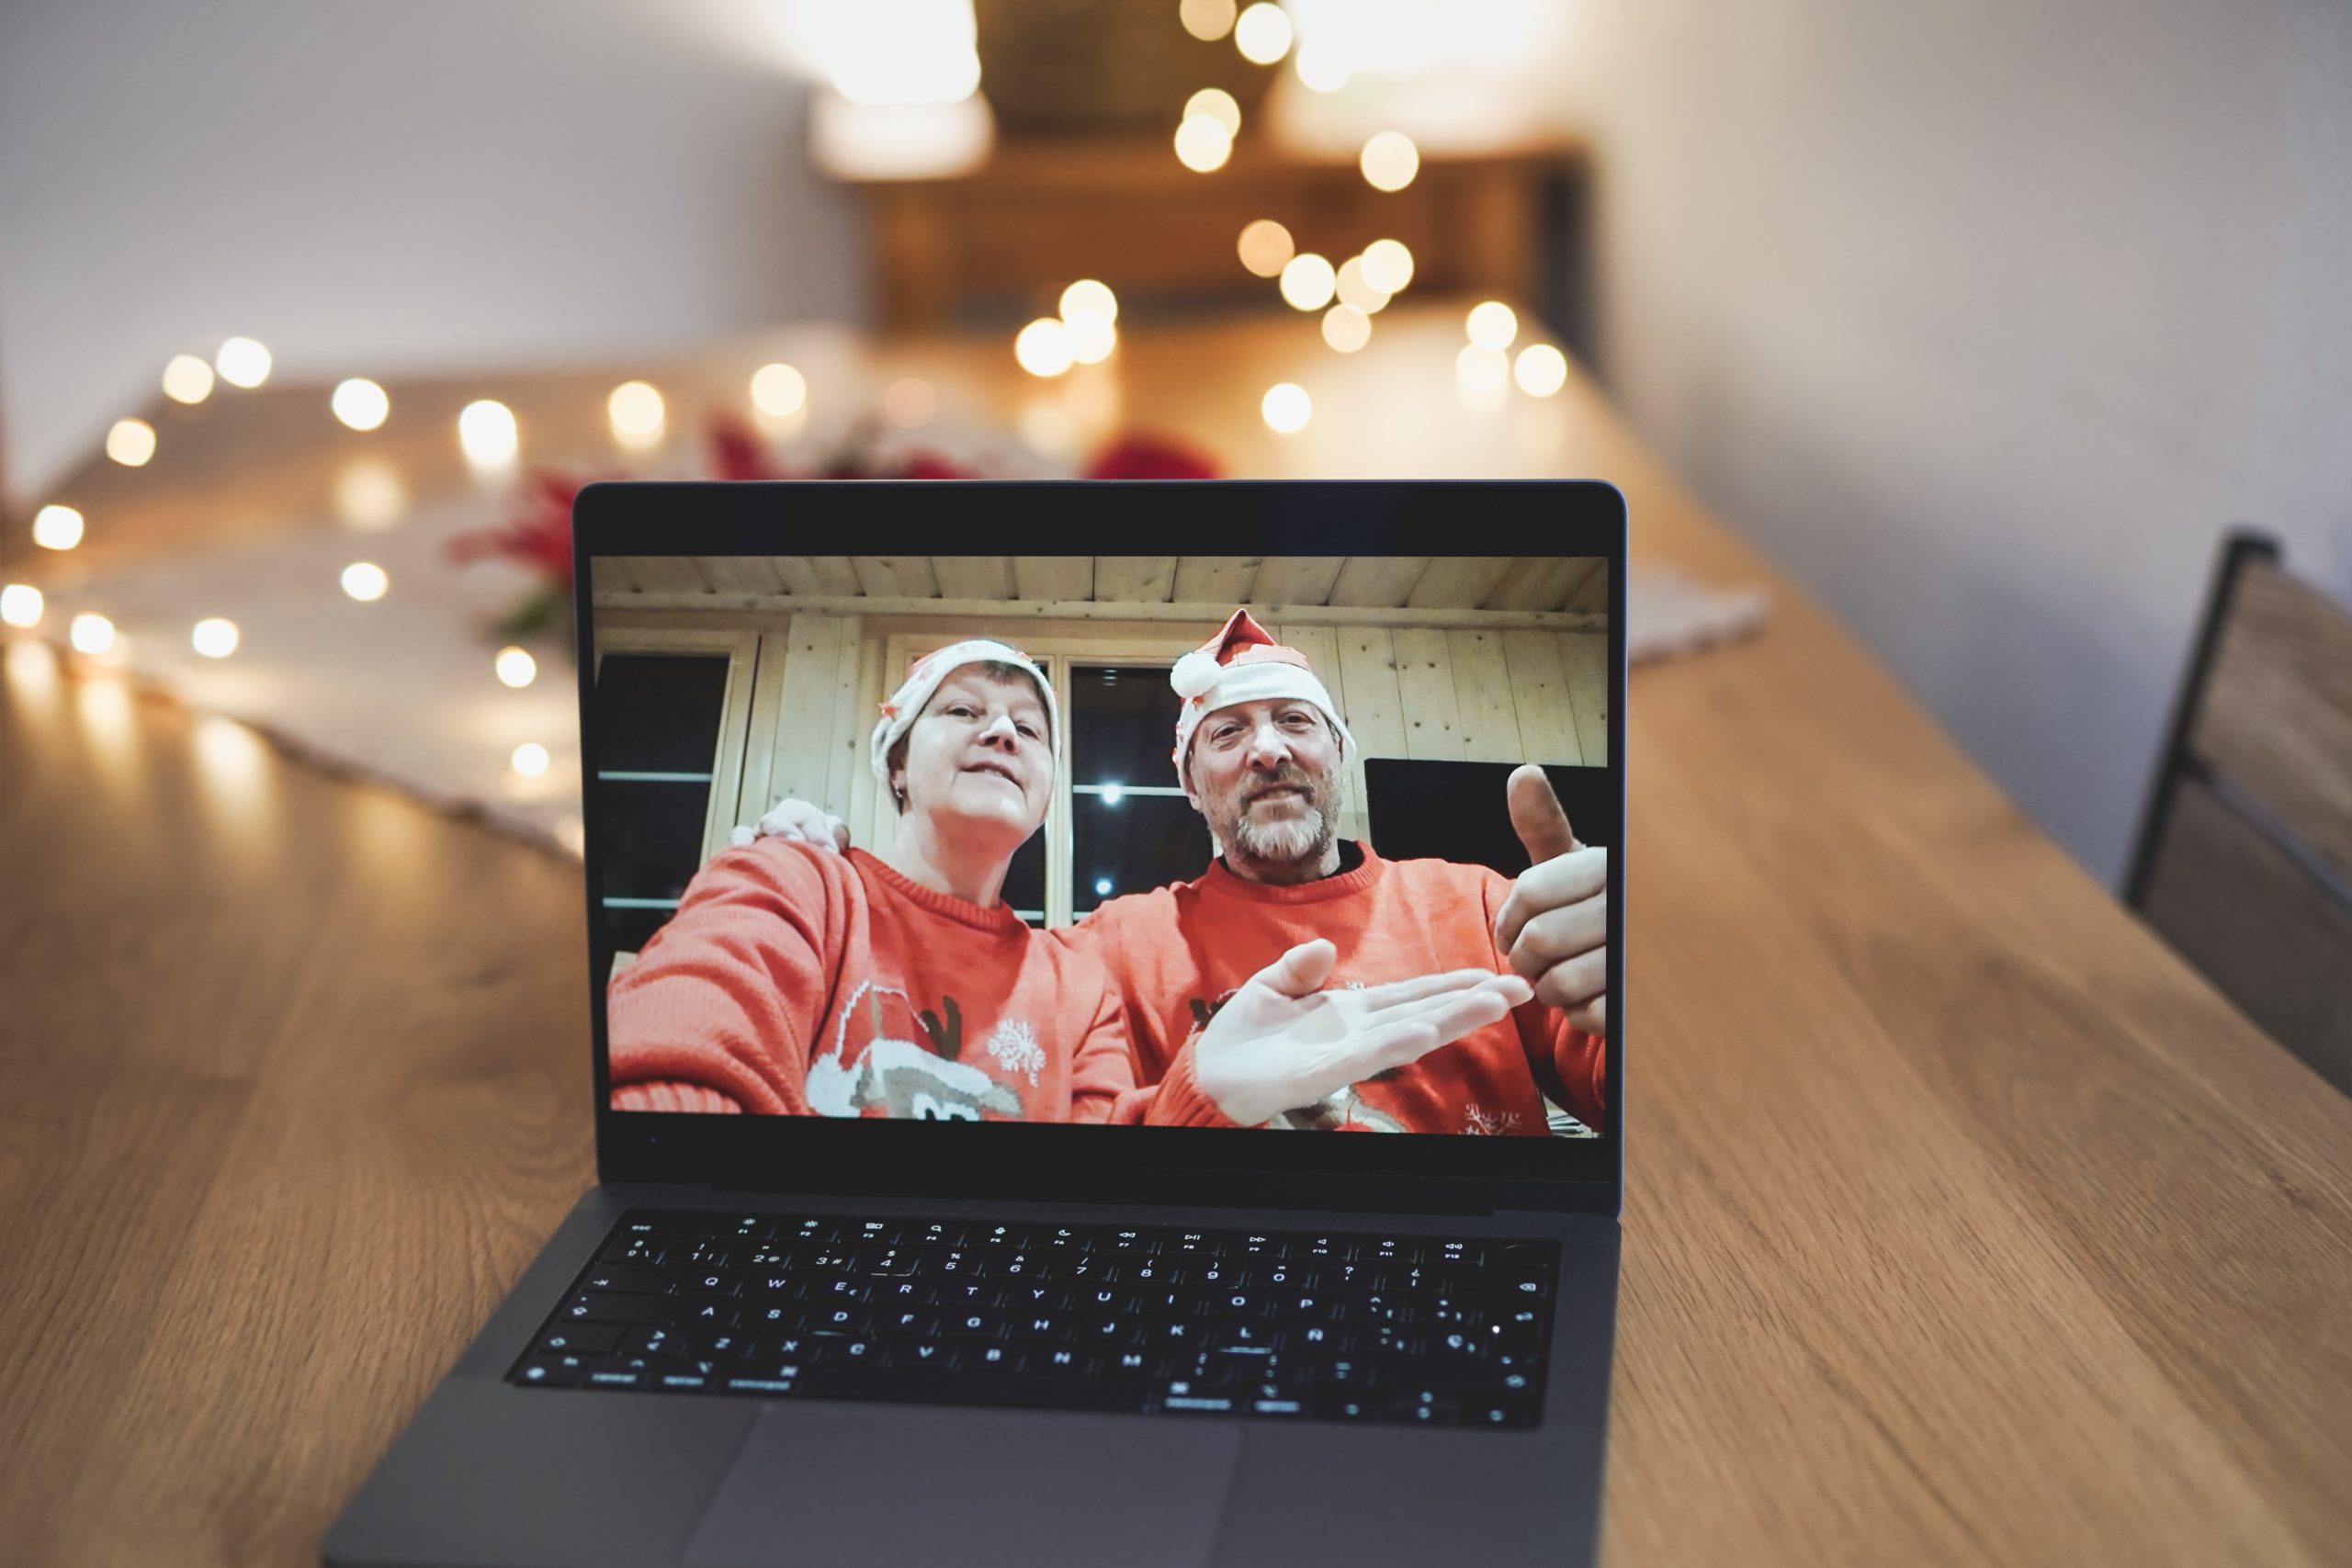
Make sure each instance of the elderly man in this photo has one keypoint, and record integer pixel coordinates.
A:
(1260, 750)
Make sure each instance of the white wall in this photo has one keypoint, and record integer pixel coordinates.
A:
(1985, 321)
(422, 183)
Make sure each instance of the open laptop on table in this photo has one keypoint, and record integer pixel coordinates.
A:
(1031, 1258)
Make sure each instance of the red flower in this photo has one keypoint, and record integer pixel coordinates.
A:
(538, 536)
(1151, 457)
(738, 453)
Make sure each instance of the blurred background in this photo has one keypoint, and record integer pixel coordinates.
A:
(1983, 322)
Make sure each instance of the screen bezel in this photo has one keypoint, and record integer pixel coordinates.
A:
(1393, 1172)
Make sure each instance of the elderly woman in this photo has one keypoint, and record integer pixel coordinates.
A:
(898, 983)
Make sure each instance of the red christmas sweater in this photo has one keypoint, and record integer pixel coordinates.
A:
(1177, 953)
(796, 982)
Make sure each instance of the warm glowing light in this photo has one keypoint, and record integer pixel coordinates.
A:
(132, 442)
(1043, 348)
(20, 605)
(635, 409)
(91, 634)
(1541, 370)
(1202, 144)
(530, 759)
(1346, 328)
(1087, 297)
(1287, 408)
(1321, 70)
(1308, 282)
(1263, 33)
(779, 392)
(57, 527)
(1492, 324)
(1480, 368)
(1355, 288)
(369, 495)
(1388, 265)
(486, 430)
(1092, 339)
(187, 379)
(1266, 248)
(366, 581)
(1208, 20)
(515, 667)
(910, 402)
(214, 638)
(243, 362)
(903, 53)
(360, 404)
(1390, 161)
(1219, 106)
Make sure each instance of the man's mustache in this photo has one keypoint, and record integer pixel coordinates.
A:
(1289, 778)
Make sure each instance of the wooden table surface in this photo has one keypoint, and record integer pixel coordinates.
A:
(1964, 1223)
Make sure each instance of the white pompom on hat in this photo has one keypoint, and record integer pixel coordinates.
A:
(1243, 663)
(899, 713)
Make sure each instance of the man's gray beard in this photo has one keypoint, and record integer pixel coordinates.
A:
(1305, 837)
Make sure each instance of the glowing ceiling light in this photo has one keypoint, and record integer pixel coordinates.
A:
(360, 404)
(1043, 348)
(1266, 247)
(1390, 161)
(1287, 408)
(778, 390)
(20, 605)
(1089, 298)
(214, 638)
(1540, 369)
(1308, 282)
(1263, 33)
(366, 581)
(1202, 144)
(57, 527)
(91, 634)
(1480, 368)
(1492, 324)
(515, 667)
(487, 430)
(132, 442)
(1346, 328)
(187, 379)
(1208, 20)
(530, 759)
(1388, 265)
(243, 362)
(1218, 105)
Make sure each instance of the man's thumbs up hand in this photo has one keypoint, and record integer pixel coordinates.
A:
(1554, 925)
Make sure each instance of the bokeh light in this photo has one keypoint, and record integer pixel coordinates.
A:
(369, 495)
(1219, 106)
(1390, 161)
(1263, 33)
(515, 667)
(1266, 247)
(1091, 339)
(778, 390)
(1202, 144)
(57, 527)
(1480, 368)
(91, 634)
(20, 605)
(1346, 328)
(1043, 348)
(487, 430)
(1354, 287)
(366, 581)
(1540, 369)
(243, 362)
(132, 442)
(1286, 407)
(908, 402)
(1208, 20)
(636, 411)
(530, 759)
(1492, 324)
(187, 379)
(360, 404)
(1308, 282)
(1388, 265)
(214, 638)
(1088, 297)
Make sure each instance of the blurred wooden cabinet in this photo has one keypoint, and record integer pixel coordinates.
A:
(1041, 212)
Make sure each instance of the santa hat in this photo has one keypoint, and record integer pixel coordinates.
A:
(899, 713)
(1243, 663)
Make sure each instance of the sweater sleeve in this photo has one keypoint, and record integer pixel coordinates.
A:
(1102, 1071)
(1176, 1101)
(1568, 1065)
(724, 1001)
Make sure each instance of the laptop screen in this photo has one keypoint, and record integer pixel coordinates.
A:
(1163, 843)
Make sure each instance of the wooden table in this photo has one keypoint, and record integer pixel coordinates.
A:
(1964, 1222)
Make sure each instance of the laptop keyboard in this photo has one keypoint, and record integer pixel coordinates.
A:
(1259, 1325)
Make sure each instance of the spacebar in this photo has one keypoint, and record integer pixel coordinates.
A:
(926, 1387)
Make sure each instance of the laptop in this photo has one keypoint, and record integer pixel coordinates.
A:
(953, 1206)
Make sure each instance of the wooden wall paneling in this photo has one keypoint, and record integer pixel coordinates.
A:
(836, 578)
(668, 574)
(1134, 578)
(802, 761)
(1538, 582)
(857, 807)
(1483, 697)
(1297, 579)
(896, 577)
(1377, 581)
(799, 574)
(974, 577)
(1321, 646)
(1053, 577)
(1425, 686)
(1459, 582)
(610, 574)
(759, 752)
(852, 722)
(1374, 714)
(1215, 580)
(742, 574)
(1584, 656)
(1539, 685)
(1591, 595)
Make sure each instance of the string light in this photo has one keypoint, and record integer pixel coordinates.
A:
(20, 605)
(360, 404)
(778, 390)
(187, 379)
(530, 759)
(1308, 282)
(91, 634)
(1203, 144)
(1356, 288)
(636, 411)
(1390, 161)
(1043, 348)
(515, 667)
(1263, 33)
(214, 638)
(1480, 368)
(1388, 265)
(1492, 324)
(1540, 369)
(243, 362)
(1208, 20)
(1287, 408)
(366, 581)
(1266, 247)
(486, 430)
(1346, 328)
(57, 527)
(1219, 106)
(132, 442)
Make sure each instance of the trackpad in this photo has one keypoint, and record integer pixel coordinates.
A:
(824, 1486)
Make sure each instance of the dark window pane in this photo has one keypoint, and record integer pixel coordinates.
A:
(1144, 841)
(628, 930)
(651, 841)
(1122, 723)
(1024, 883)
(1461, 811)
(660, 713)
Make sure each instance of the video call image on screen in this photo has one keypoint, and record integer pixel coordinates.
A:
(1194, 841)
